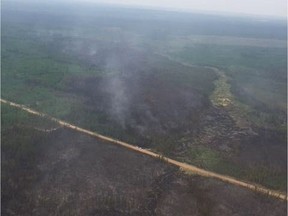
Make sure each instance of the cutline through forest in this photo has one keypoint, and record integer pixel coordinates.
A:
(182, 166)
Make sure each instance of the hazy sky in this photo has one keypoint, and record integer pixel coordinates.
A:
(256, 7)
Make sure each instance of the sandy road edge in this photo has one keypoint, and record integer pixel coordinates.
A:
(180, 165)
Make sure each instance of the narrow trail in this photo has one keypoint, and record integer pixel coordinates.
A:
(180, 165)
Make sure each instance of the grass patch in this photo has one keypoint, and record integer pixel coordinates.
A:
(266, 176)
(215, 161)
(11, 116)
(204, 157)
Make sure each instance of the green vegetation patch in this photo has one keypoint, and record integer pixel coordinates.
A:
(178, 74)
(204, 157)
(11, 116)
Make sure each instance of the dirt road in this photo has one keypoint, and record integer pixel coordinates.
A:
(182, 166)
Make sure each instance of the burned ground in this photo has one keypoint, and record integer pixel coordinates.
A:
(144, 104)
(134, 78)
(137, 97)
(157, 109)
(78, 175)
